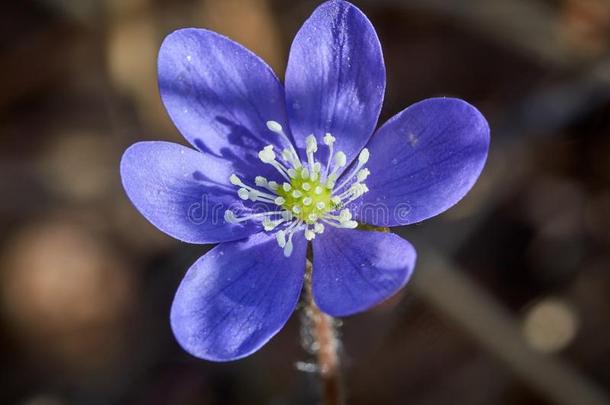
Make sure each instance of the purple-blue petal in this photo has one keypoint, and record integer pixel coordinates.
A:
(237, 297)
(220, 96)
(182, 192)
(354, 270)
(335, 79)
(423, 161)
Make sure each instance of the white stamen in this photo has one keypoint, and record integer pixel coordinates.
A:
(230, 217)
(309, 234)
(274, 126)
(288, 247)
(311, 144)
(267, 155)
(340, 159)
(280, 236)
(243, 193)
(309, 198)
(362, 175)
(364, 155)
(329, 139)
(345, 215)
(235, 180)
(260, 181)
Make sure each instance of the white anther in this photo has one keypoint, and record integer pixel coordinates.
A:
(230, 217)
(336, 200)
(273, 185)
(274, 126)
(340, 159)
(235, 180)
(280, 236)
(297, 194)
(286, 187)
(305, 173)
(292, 173)
(286, 215)
(260, 181)
(307, 201)
(287, 155)
(312, 217)
(357, 189)
(349, 224)
(268, 224)
(318, 227)
(311, 144)
(296, 209)
(320, 205)
(309, 234)
(362, 175)
(345, 215)
(267, 155)
(363, 157)
(279, 200)
(243, 193)
(329, 139)
(288, 248)
(318, 190)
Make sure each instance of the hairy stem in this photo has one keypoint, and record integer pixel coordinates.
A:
(325, 345)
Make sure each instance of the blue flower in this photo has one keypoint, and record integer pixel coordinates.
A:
(275, 167)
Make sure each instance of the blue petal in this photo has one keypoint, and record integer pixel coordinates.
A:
(335, 78)
(237, 297)
(182, 192)
(220, 96)
(355, 270)
(423, 161)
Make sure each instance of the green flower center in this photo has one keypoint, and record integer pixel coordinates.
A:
(307, 199)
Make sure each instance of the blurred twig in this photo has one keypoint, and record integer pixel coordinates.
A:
(446, 288)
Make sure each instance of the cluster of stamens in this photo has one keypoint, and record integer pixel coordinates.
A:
(310, 198)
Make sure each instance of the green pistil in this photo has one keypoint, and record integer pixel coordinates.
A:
(310, 202)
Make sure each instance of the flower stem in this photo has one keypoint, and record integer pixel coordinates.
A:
(325, 345)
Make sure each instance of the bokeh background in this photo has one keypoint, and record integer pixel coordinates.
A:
(510, 303)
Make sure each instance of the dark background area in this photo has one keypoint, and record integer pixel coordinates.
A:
(510, 303)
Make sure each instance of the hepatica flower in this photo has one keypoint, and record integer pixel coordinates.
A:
(274, 167)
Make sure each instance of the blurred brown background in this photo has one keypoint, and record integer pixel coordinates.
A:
(510, 303)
